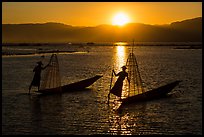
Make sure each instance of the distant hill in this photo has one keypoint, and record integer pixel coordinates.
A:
(183, 31)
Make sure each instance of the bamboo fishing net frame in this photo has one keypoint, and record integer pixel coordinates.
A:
(136, 84)
(52, 77)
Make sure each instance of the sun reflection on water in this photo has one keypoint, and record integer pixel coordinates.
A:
(120, 125)
(120, 57)
(131, 117)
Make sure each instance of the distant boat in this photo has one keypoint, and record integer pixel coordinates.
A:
(51, 81)
(90, 43)
(189, 47)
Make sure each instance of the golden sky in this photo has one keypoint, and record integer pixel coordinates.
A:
(97, 13)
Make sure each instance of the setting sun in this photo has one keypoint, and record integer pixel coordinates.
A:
(120, 19)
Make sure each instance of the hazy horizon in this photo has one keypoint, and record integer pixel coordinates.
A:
(101, 21)
(100, 24)
(98, 13)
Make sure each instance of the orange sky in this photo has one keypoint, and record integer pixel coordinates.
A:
(96, 13)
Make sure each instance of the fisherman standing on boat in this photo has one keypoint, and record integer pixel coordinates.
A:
(117, 88)
(37, 75)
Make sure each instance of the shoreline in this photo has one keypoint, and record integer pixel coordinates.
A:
(38, 53)
(108, 44)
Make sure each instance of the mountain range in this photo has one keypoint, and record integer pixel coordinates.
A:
(189, 30)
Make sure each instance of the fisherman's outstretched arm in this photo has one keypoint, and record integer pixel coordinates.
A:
(46, 66)
(114, 72)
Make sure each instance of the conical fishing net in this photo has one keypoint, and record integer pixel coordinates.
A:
(135, 86)
(51, 77)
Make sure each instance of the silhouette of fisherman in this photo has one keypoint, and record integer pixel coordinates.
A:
(117, 88)
(37, 76)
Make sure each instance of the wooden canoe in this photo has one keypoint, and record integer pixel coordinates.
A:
(76, 86)
(152, 94)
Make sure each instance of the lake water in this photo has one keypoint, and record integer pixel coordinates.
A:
(86, 112)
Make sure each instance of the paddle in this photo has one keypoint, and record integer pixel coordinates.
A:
(110, 86)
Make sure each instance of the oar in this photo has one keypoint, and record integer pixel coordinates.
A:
(110, 86)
